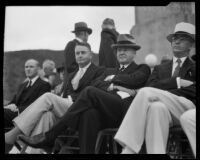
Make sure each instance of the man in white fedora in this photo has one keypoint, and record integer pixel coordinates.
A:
(170, 91)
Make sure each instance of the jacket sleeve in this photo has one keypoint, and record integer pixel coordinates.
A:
(44, 88)
(100, 83)
(133, 80)
(165, 84)
(70, 62)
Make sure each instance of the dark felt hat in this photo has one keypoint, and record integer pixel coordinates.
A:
(82, 26)
(126, 40)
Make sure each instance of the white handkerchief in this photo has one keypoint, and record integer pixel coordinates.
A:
(123, 94)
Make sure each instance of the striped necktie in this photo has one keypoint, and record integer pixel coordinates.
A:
(177, 69)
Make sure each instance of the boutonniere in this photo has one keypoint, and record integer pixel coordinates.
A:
(190, 73)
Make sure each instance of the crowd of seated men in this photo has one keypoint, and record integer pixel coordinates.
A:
(141, 101)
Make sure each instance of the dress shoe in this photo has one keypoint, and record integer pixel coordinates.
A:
(8, 148)
(37, 141)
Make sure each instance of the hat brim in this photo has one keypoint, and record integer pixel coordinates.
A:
(136, 47)
(169, 37)
(89, 30)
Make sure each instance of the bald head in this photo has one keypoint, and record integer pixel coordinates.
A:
(31, 68)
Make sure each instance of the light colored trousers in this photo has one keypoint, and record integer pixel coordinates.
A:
(41, 115)
(188, 123)
(150, 120)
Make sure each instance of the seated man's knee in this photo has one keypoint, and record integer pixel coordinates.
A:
(47, 95)
(186, 117)
(157, 106)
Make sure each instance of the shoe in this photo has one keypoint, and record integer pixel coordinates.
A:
(37, 141)
(8, 148)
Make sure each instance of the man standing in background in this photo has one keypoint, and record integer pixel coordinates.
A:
(109, 36)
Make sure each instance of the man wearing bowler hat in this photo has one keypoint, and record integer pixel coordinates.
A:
(170, 91)
(105, 103)
(81, 32)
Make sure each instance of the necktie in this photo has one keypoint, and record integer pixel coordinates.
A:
(122, 69)
(29, 84)
(177, 69)
(75, 81)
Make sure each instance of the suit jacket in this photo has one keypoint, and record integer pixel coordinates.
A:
(133, 77)
(92, 73)
(36, 90)
(69, 53)
(107, 56)
(161, 78)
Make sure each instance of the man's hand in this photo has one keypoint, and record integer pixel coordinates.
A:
(110, 88)
(185, 83)
(131, 92)
(109, 78)
(12, 107)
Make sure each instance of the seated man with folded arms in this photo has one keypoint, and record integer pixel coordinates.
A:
(171, 91)
(102, 105)
(41, 115)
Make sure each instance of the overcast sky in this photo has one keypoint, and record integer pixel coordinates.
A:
(50, 27)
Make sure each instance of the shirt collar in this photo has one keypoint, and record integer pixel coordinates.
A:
(33, 80)
(86, 67)
(125, 66)
(78, 39)
(182, 60)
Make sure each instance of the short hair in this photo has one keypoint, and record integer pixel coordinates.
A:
(84, 44)
(36, 62)
(48, 66)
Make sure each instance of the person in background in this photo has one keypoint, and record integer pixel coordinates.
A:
(32, 88)
(60, 87)
(107, 56)
(151, 60)
(169, 92)
(48, 72)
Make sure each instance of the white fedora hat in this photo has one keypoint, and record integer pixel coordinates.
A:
(183, 28)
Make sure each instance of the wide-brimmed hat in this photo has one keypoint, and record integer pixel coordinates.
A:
(126, 40)
(184, 29)
(82, 26)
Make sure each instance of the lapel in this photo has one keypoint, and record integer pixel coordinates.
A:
(71, 77)
(186, 65)
(167, 70)
(131, 67)
(23, 85)
(86, 76)
(32, 89)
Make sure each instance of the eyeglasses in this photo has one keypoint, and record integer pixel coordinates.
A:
(181, 38)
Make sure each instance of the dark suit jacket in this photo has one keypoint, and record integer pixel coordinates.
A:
(133, 77)
(161, 78)
(36, 90)
(107, 56)
(92, 73)
(69, 53)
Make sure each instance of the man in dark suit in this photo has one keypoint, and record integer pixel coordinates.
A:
(81, 32)
(171, 91)
(32, 88)
(101, 105)
(43, 113)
